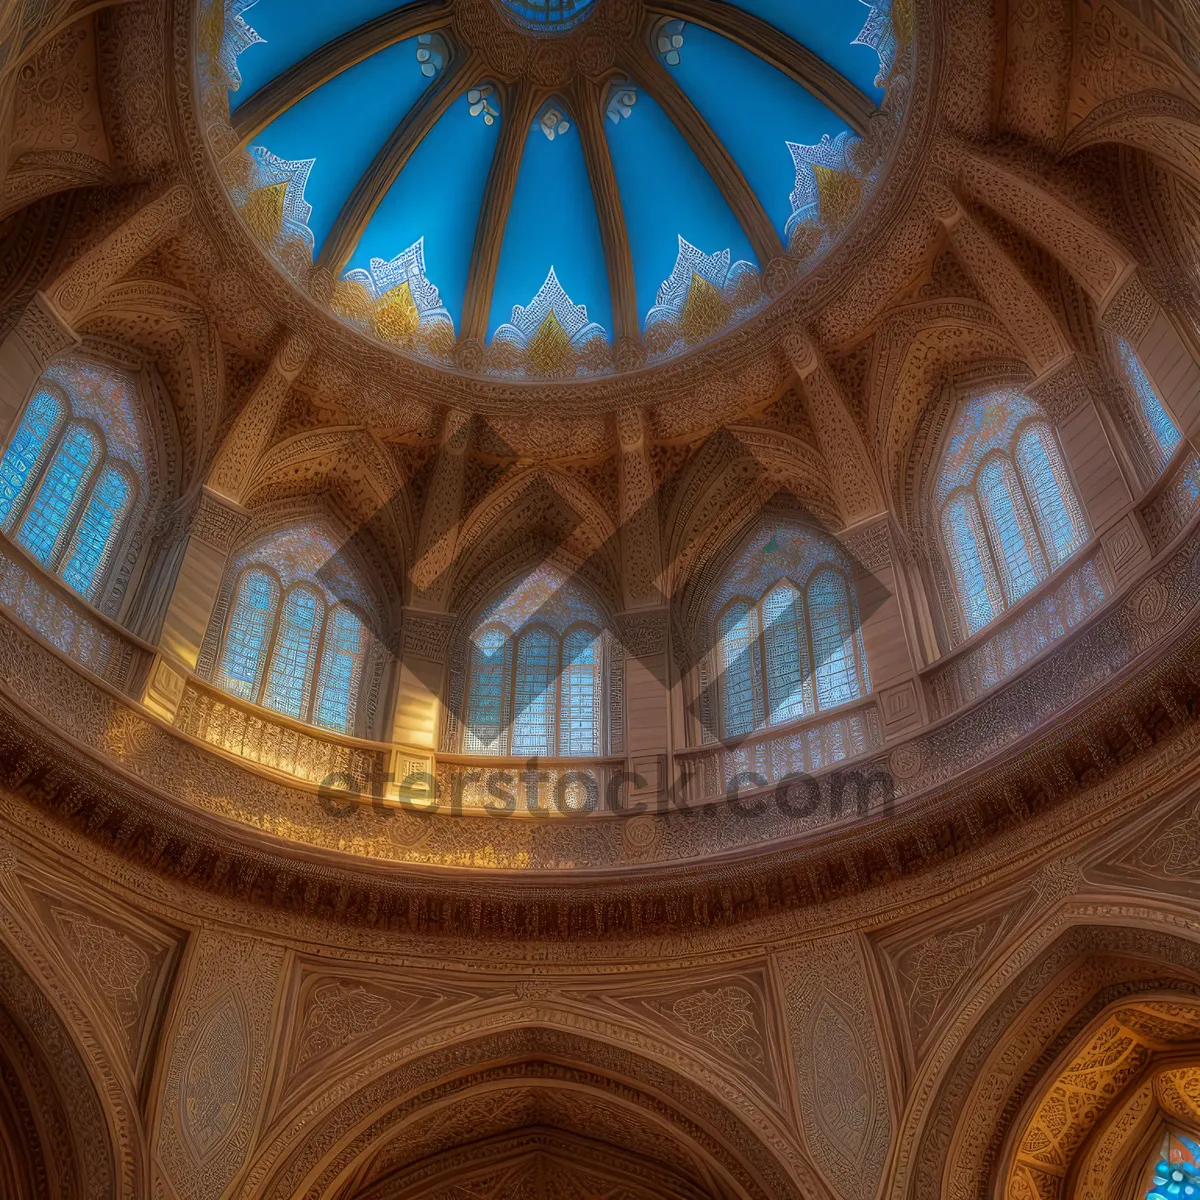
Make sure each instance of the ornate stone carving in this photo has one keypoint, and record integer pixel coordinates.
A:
(337, 1014)
(82, 283)
(840, 1077)
(115, 963)
(220, 1048)
(426, 635)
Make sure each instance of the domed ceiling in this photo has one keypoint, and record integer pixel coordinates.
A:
(548, 187)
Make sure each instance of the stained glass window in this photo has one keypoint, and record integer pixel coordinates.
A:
(54, 504)
(1158, 420)
(579, 715)
(96, 534)
(970, 561)
(1176, 1175)
(26, 451)
(797, 648)
(491, 668)
(785, 645)
(289, 675)
(534, 693)
(535, 672)
(1008, 511)
(62, 490)
(1050, 494)
(250, 625)
(741, 671)
(833, 639)
(341, 669)
(1022, 566)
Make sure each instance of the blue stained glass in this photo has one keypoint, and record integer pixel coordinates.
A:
(970, 561)
(1022, 566)
(29, 446)
(1054, 507)
(549, 14)
(48, 519)
(254, 605)
(579, 719)
(534, 699)
(741, 671)
(97, 531)
(1177, 1173)
(833, 640)
(289, 676)
(491, 666)
(1162, 428)
(785, 640)
(340, 671)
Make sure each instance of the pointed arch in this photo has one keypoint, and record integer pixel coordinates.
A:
(529, 669)
(298, 628)
(1004, 506)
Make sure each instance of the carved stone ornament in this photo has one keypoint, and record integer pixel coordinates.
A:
(585, 762)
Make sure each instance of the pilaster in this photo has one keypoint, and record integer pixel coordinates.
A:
(442, 516)
(214, 529)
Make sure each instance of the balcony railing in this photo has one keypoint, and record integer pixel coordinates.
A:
(327, 759)
(1019, 636)
(1172, 502)
(805, 747)
(65, 620)
(537, 786)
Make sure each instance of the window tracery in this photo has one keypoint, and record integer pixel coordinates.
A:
(65, 497)
(1164, 434)
(535, 673)
(787, 636)
(290, 652)
(293, 633)
(1007, 509)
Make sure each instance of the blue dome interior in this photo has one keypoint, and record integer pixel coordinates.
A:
(768, 122)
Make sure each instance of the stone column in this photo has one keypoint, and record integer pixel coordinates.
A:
(641, 555)
(440, 521)
(888, 623)
(214, 529)
(419, 711)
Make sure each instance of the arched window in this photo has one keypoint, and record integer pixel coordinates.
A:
(284, 650)
(534, 682)
(1163, 431)
(491, 669)
(791, 647)
(340, 674)
(1007, 510)
(63, 497)
(534, 688)
(294, 653)
(1176, 1173)
(579, 711)
(250, 625)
